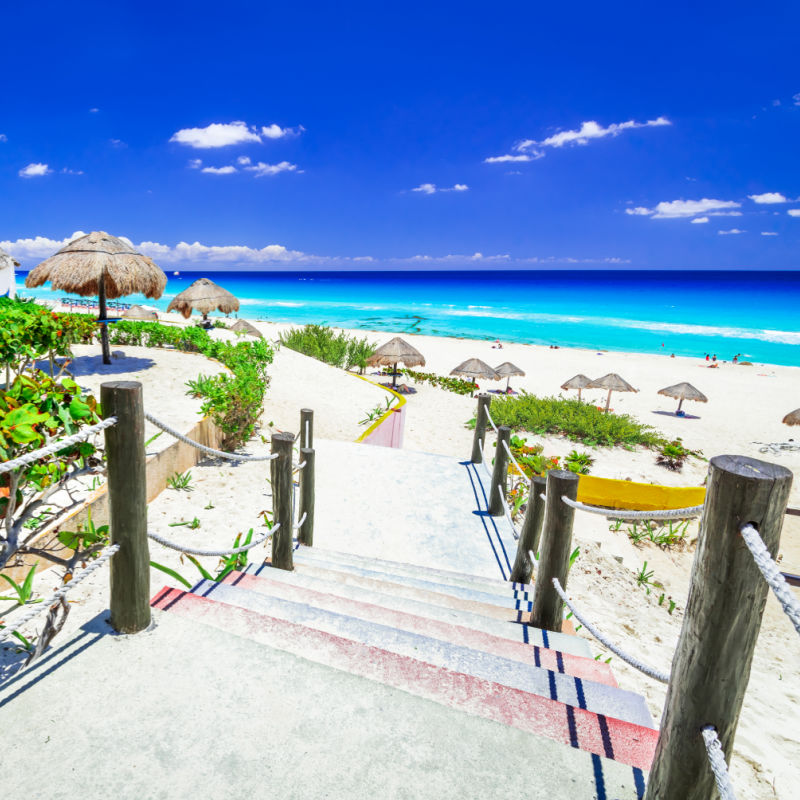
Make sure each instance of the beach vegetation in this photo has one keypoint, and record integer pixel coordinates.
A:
(573, 419)
(323, 343)
(234, 399)
(378, 411)
(644, 577)
(181, 481)
(673, 455)
(578, 463)
(447, 382)
(667, 534)
(24, 590)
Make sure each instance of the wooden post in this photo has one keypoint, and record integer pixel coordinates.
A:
(484, 401)
(101, 304)
(497, 490)
(306, 428)
(531, 532)
(555, 550)
(127, 501)
(306, 533)
(282, 490)
(727, 596)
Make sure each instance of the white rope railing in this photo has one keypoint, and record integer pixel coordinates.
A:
(230, 551)
(34, 611)
(507, 510)
(716, 760)
(516, 464)
(621, 513)
(210, 450)
(298, 467)
(54, 447)
(632, 660)
(772, 575)
(299, 523)
(491, 421)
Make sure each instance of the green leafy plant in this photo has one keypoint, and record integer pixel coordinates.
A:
(192, 524)
(324, 344)
(644, 577)
(181, 481)
(378, 411)
(447, 382)
(24, 591)
(672, 455)
(578, 462)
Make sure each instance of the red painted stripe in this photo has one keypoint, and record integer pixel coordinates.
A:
(586, 668)
(632, 744)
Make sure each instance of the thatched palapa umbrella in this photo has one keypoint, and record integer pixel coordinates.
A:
(475, 368)
(140, 312)
(7, 265)
(204, 296)
(792, 418)
(103, 265)
(243, 326)
(394, 352)
(613, 383)
(579, 382)
(683, 391)
(508, 369)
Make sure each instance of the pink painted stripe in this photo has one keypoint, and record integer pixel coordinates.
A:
(631, 744)
(578, 667)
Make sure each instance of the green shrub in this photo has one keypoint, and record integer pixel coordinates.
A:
(324, 344)
(572, 418)
(451, 384)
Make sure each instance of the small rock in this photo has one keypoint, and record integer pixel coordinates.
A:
(117, 354)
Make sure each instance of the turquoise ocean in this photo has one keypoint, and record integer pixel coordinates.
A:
(755, 314)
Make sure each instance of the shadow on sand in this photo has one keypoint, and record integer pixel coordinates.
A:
(673, 414)
(93, 365)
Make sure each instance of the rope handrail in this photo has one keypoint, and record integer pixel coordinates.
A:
(210, 450)
(772, 575)
(54, 447)
(298, 467)
(491, 421)
(507, 511)
(230, 551)
(299, 523)
(621, 513)
(632, 660)
(34, 611)
(716, 760)
(514, 461)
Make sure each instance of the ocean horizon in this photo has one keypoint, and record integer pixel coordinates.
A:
(755, 315)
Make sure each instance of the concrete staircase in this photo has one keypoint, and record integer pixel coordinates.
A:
(354, 676)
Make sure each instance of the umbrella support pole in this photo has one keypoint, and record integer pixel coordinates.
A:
(103, 316)
(608, 400)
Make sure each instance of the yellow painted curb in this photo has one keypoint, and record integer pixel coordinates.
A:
(611, 493)
(383, 417)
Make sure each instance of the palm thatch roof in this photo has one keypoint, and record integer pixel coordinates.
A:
(81, 266)
(792, 418)
(506, 369)
(475, 368)
(243, 326)
(613, 383)
(6, 260)
(396, 351)
(139, 312)
(577, 382)
(204, 296)
(684, 391)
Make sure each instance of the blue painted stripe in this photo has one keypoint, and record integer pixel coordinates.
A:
(579, 690)
(545, 638)
(573, 730)
(560, 661)
(607, 746)
(536, 659)
(525, 637)
(599, 781)
(638, 779)
(551, 677)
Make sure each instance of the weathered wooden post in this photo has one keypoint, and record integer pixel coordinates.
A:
(531, 532)
(484, 401)
(555, 550)
(282, 496)
(306, 533)
(727, 596)
(497, 490)
(127, 501)
(306, 427)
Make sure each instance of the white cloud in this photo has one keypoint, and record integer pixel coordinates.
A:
(699, 220)
(261, 169)
(796, 99)
(218, 134)
(243, 160)
(769, 233)
(3, 137)
(195, 163)
(66, 171)
(731, 231)
(767, 198)
(776, 103)
(276, 132)
(678, 209)
(590, 130)
(532, 156)
(94, 110)
(35, 170)
(219, 170)
(794, 212)
(432, 188)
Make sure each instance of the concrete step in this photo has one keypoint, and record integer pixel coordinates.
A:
(442, 597)
(508, 598)
(582, 694)
(441, 576)
(579, 667)
(382, 595)
(608, 738)
(191, 710)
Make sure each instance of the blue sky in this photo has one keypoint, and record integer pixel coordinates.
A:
(369, 135)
